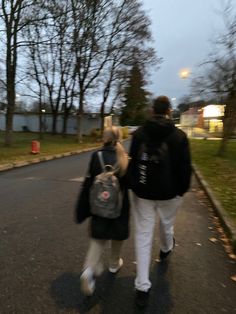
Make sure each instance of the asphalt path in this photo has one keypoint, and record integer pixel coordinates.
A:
(42, 252)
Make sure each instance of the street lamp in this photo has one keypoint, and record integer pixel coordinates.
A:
(44, 119)
(184, 73)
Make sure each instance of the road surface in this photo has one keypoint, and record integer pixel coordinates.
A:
(42, 252)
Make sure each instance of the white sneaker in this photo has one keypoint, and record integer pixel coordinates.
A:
(87, 282)
(114, 270)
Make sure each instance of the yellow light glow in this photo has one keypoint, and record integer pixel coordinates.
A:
(184, 73)
(213, 111)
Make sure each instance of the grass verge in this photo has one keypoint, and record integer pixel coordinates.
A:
(219, 172)
(49, 145)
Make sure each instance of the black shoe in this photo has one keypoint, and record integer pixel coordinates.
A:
(164, 255)
(141, 298)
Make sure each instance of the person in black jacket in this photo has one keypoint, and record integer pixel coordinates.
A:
(103, 229)
(156, 193)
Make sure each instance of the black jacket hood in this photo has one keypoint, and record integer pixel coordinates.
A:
(158, 128)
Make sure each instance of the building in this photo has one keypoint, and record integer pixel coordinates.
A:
(30, 122)
(213, 118)
(191, 118)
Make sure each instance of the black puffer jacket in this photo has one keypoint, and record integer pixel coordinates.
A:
(155, 131)
(103, 228)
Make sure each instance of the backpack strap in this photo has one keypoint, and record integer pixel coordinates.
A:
(101, 160)
(115, 167)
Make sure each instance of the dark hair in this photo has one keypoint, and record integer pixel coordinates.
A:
(161, 105)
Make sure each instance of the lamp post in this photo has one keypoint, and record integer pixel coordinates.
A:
(184, 75)
(44, 120)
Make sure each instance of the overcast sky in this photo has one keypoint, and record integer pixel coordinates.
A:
(182, 32)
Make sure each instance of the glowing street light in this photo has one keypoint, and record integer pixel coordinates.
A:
(184, 73)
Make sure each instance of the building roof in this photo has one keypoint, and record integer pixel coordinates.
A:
(191, 111)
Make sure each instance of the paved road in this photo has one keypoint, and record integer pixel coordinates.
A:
(42, 252)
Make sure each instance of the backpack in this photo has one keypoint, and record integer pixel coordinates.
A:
(105, 193)
(152, 172)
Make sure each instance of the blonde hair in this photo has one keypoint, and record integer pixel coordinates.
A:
(113, 135)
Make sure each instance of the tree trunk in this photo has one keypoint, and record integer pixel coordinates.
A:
(11, 59)
(9, 125)
(222, 148)
(40, 115)
(10, 109)
(79, 128)
(65, 121)
(80, 118)
(40, 125)
(102, 117)
(54, 123)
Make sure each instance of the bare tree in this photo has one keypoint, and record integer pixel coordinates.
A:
(90, 41)
(130, 42)
(33, 73)
(219, 77)
(75, 47)
(11, 15)
(15, 14)
(104, 33)
(2, 90)
(52, 59)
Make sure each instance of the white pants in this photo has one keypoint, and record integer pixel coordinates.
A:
(144, 212)
(95, 252)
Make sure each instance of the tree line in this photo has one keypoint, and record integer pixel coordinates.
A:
(67, 52)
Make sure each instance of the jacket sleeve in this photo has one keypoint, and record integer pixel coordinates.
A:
(82, 206)
(184, 167)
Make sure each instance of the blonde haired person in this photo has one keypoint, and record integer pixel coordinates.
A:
(102, 229)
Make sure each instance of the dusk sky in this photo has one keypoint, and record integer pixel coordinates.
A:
(182, 32)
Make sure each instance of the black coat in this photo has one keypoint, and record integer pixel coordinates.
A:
(103, 228)
(155, 131)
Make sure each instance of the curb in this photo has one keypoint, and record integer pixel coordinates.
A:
(19, 164)
(229, 228)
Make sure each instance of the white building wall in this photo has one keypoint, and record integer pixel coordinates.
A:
(2, 122)
(189, 119)
(31, 123)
